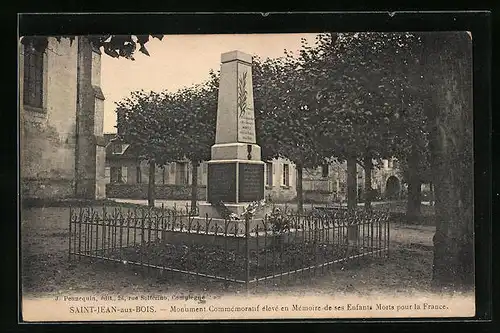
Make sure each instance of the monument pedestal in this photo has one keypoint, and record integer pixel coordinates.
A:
(235, 182)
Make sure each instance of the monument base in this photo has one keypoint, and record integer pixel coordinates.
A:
(206, 209)
(237, 150)
(231, 227)
(231, 234)
(235, 182)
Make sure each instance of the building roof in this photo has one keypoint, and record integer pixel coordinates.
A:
(127, 151)
(108, 137)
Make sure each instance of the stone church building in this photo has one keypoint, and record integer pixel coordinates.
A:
(62, 153)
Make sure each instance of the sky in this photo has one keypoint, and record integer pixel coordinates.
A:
(181, 60)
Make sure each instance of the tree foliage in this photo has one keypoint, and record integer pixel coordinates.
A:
(348, 96)
(167, 127)
(361, 92)
(286, 114)
(138, 124)
(191, 125)
(115, 46)
(170, 126)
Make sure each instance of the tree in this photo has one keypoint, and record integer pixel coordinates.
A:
(191, 127)
(115, 46)
(446, 60)
(139, 124)
(354, 97)
(167, 127)
(372, 99)
(339, 98)
(430, 76)
(286, 113)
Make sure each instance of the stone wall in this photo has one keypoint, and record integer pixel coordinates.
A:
(46, 188)
(163, 192)
(100, 177)
(319, 196)
(62, 153)
(47, 135)
(280, 194)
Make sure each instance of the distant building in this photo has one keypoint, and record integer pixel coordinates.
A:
(328, 183)
(128, 176)
(61, 121)
(280, 180)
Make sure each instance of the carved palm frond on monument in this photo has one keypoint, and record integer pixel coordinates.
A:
(242, 93)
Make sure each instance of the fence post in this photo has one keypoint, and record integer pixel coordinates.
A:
(388, 225)
(69, 245)
(247, 246)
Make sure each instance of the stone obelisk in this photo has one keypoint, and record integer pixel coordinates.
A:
(235, 172)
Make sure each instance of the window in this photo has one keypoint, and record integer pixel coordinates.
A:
(286, 175)
(335, 186)
(139, 175)
(124, 174)
(269, 173)
(182, 174)
(33, 78)
(116, 175)
(324, 171)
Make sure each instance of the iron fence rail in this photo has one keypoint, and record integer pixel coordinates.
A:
(287, 244)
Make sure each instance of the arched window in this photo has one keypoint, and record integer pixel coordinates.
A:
(324, 170)
(33, 78)
(269, 173)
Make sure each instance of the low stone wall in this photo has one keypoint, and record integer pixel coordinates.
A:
(47, 188)
(280, 194)
(318, 196)
(162, 191)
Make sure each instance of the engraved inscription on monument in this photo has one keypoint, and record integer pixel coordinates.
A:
(246, 130)
(222, 182)
(251, 182)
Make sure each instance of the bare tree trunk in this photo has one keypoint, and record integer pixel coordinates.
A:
(352, 186)
(452, 159)
(352, 189)
(151, 183)
(194, 186)
(368, 182)
(300, 194)
(414, 201)
(432, 199)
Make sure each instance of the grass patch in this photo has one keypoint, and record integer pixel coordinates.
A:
(404, 270)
